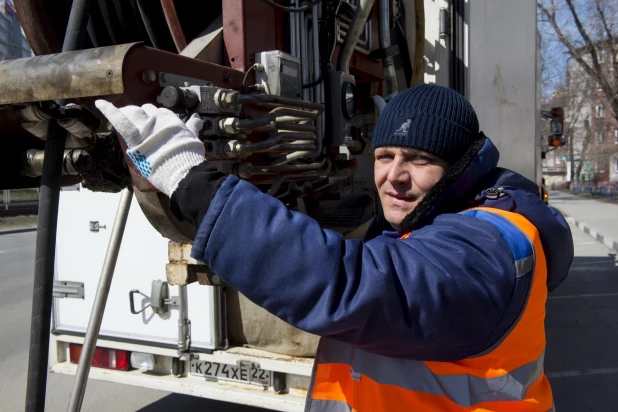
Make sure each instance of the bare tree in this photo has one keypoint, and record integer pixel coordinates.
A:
(588, 30)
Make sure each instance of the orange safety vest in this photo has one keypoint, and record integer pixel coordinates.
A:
(507, 377)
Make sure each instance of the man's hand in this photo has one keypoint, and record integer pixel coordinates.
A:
(160, 145)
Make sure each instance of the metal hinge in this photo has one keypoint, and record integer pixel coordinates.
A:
(67, 289)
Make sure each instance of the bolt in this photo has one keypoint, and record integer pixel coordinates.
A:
(149, 76)
(109, 73)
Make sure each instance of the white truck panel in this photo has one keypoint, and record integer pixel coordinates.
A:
(79, 257)
(503, 79)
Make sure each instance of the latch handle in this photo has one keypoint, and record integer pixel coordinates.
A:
(133, 292)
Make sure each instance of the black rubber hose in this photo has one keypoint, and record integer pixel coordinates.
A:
(143, 33)
(76, 27)
(111, 22)
(44, 268)
(156, 26)
(96, 27)
(45, 255)
(125, 17)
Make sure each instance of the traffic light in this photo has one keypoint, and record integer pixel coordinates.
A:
(557, 120)
(556, 138)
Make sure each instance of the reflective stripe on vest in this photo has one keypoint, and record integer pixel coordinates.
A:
(507, 377)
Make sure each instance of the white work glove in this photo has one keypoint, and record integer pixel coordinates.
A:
(160, 145)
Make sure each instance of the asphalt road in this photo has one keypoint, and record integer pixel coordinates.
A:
(16, 273)
(581, 357)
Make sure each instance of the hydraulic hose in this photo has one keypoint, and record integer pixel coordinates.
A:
(76, 28)
(49, 196)
(44, 268)
(390, 76)
(356, 29)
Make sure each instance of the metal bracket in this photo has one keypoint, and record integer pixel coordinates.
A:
(170, 79)
(160, 301)
(66, 289)
(243, 363)
(95, 226)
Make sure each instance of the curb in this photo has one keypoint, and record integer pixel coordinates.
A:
(593, 233)
(20, 230)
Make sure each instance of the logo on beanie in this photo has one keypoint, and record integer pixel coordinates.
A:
(403, 129)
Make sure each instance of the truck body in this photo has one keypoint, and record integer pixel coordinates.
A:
(173, 335)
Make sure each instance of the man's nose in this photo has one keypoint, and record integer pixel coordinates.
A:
(398, 173)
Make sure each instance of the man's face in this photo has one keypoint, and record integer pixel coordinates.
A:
(403, 177)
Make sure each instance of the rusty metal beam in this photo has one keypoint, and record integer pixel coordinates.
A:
(249, 27)
(36, 21)
(173, 22)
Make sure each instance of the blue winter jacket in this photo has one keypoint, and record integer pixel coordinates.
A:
(447, 292)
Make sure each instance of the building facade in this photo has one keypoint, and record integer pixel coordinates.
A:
(13, 43)
(592, 126)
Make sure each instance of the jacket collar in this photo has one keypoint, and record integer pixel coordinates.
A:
(460, 184)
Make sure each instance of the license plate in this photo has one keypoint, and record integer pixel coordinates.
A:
(236, 373)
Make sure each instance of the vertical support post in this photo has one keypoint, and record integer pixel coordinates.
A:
(100, 300)
(44, 268)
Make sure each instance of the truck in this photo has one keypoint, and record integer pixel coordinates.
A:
(289, 93)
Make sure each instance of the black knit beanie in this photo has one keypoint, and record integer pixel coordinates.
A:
(432, 118)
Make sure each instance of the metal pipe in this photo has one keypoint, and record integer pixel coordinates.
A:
(42, 292)
(312, 167)
(100, 300)
(184, 335)
(283, 148)
(274, 188)
(271, 98)
(270, 142)
(316, 53)
(297, 26)
(35, 160)
(49, 196)
(356, 29)
(295, 127)
(274, 116)
(390, 76)
(292, 17)
(304, 55)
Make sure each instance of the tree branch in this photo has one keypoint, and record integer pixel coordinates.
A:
(596, 72)
(551, 16)
(605, 26)
(587, 40)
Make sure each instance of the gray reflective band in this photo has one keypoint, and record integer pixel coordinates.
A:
(524, 266)
(464, 390)
(328, 406)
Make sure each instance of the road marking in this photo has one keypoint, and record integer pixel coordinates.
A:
(587, 295)
(602, 262)
(584, 372)
(586, 243)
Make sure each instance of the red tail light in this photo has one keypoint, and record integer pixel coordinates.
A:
(103, 357)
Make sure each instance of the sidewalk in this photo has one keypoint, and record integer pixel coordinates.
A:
(596, 218)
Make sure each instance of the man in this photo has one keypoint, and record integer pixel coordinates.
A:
(445, 312)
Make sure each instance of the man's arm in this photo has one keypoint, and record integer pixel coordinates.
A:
(438, 295)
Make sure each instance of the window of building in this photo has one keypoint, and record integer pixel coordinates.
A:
(616, 136)
(616, 163)
(600, 111)
(599, 137)
(601, 56)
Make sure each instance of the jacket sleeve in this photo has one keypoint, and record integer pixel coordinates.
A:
(438, 295)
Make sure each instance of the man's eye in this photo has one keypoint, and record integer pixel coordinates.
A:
(421, 159)
(384, 157)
